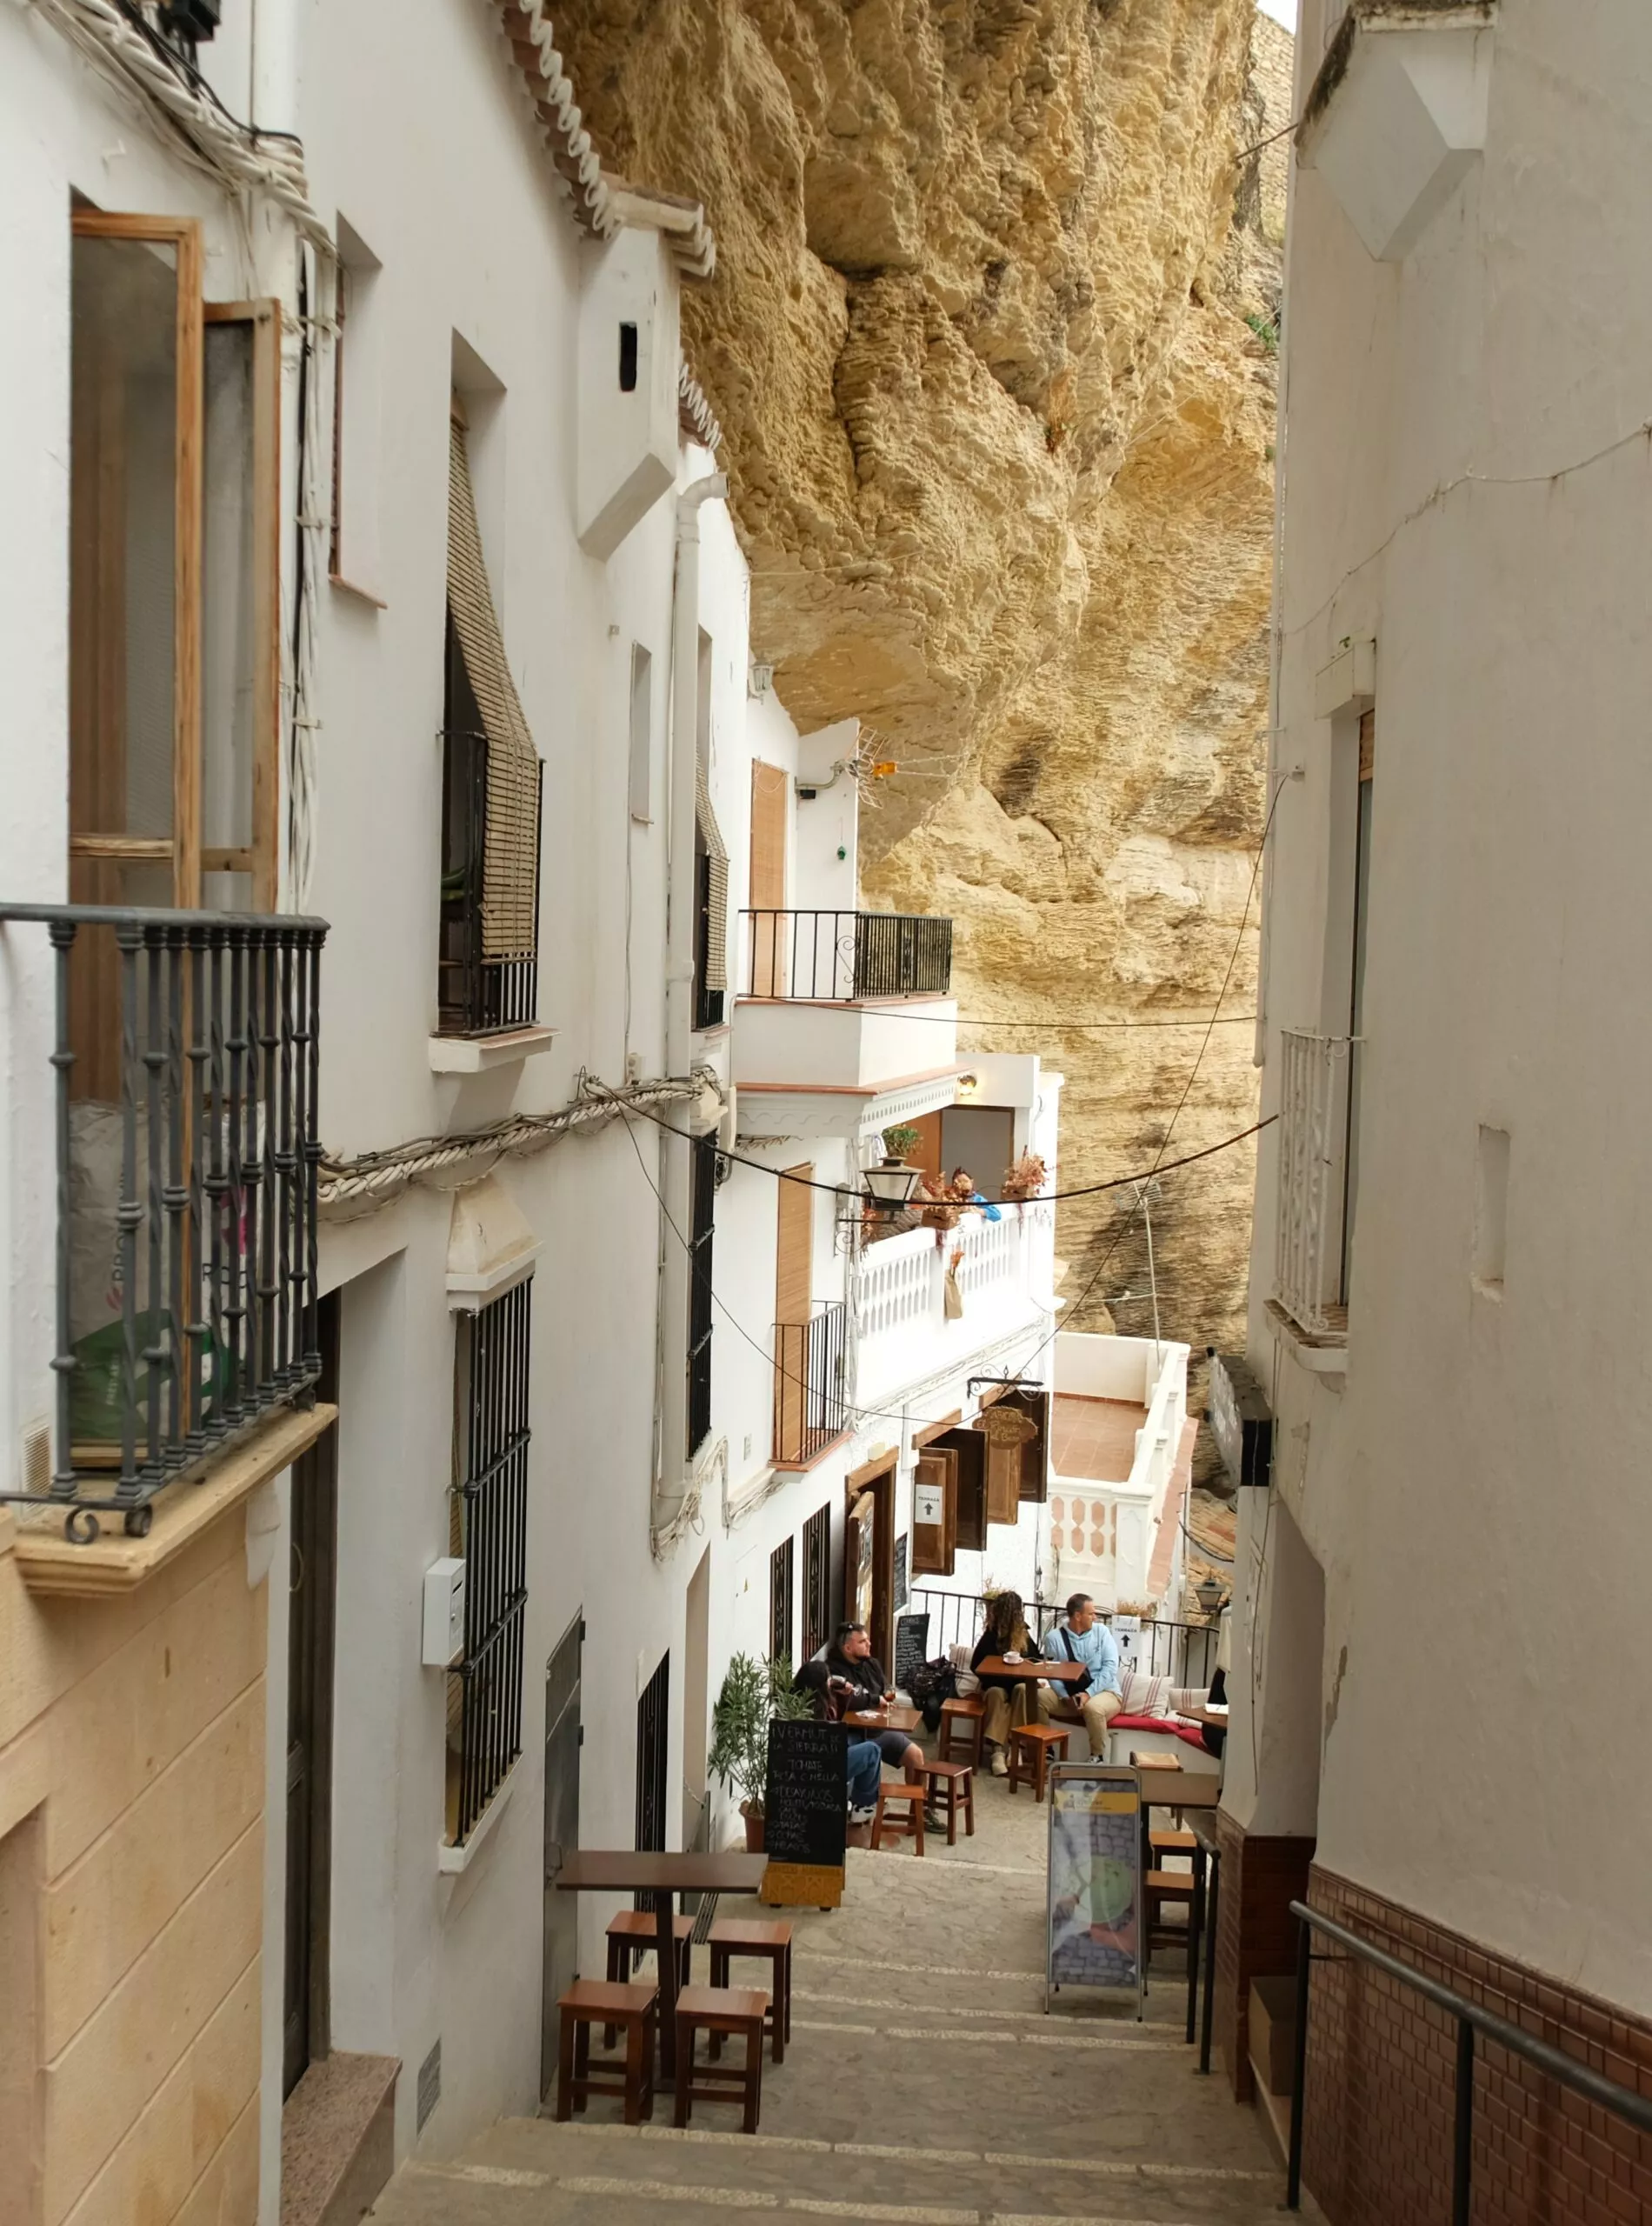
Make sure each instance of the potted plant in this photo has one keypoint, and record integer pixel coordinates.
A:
(754, 1694)
(1023, 1178)
(900, 1141)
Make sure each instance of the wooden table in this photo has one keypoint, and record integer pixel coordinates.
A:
(1032, 1670)
(1215, 1717)
(893, 1718)
(661, 1877)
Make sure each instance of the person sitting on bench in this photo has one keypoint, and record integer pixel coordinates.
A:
(1081, 1637)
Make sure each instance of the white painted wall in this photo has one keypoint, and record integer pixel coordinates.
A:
(1465, 480)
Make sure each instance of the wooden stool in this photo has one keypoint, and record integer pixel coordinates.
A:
(719, 2010)
(629, 1935)
(958, 1781)
(912, 1798)
(964, 1731)
(1171, 1844)
(590, 2002)
(1031, 1746)
(1158, 1888)
(732, 1937)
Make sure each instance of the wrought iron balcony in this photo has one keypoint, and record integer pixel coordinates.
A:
(846, 956)
(811, 1399)
(186, 1062)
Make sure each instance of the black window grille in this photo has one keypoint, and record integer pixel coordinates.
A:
(480, 992)
(490, 1529)
(846, 954)
(817, 1583)
(708, 1003)
(782, 1564)
(702, 1213)
(653, 1734)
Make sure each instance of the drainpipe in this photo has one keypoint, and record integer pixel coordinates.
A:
(671, 1480)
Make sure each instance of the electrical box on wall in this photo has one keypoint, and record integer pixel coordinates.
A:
(443, 1612)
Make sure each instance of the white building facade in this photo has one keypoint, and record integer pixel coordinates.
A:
(369, 566)
(1446, 1273)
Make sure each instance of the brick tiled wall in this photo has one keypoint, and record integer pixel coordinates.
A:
(1256, 1932)
(1381, 2079)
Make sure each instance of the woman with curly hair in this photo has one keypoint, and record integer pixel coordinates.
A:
(1006, 1697)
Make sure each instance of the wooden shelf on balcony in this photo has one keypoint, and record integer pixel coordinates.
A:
(53, 1567)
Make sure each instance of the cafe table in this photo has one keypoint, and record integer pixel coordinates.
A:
(1032, 1670)
(661, 1877)
(1165, 1784)
(893, 1718)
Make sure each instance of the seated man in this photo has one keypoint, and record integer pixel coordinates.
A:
(845, 1679)
(865, 1766)
(1080, 1636)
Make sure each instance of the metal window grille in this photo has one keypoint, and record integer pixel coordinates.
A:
(702, 1212)
(708, 1001)
(781, 1566)
(187, 1073)
(487, 978)
(490, 1511)
(486, 982)
(811, 1403)
(653, 1734)
(1313, 1182)
(817, 1583)
(846, 956)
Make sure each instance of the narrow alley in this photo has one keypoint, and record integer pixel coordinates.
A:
(923, 2085)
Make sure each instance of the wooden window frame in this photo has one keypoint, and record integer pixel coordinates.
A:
(259, 859)
(184, 850)
(183, 235)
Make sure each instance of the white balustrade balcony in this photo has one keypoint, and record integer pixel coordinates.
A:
(902, 1331)
(1309, 1265)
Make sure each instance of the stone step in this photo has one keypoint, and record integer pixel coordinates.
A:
(528, 2171)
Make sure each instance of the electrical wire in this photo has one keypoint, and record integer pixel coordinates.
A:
(1047, 1198)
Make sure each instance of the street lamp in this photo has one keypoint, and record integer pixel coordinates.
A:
(890, 1187)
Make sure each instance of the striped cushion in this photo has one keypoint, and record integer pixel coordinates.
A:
(1145, 1695)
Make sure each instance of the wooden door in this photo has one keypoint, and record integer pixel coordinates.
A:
(1034, 1454)
(935, 1512)
(770, 938)
(868, 1555)
(970, 1496)
(305, 2038)
(564, 1739)
(794, 1277)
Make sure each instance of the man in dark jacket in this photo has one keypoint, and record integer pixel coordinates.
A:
(846, 1680)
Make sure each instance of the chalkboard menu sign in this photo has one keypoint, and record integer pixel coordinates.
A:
(902, 1562)
(911, 1641)
(806, 1801)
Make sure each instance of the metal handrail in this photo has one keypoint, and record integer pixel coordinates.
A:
(1471, 2018)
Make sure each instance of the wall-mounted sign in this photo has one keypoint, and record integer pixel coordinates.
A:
(1005, 1426)
(1241, 1421)
(929, 1503)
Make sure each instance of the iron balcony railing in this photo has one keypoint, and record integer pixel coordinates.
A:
(1635, 2110)
(1185, 1653)
(479, 992)
(186, 1056)
(1313, 1182)
(846, 956)
(811, 1405)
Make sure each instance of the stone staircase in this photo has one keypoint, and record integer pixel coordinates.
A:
(923, 2086)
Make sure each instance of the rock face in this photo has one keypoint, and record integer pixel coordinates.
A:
(1000, 442)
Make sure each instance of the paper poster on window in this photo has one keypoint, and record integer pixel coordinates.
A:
(927, 1503)
(1095, 1886)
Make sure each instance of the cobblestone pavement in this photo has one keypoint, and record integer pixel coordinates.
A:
(924, 2085)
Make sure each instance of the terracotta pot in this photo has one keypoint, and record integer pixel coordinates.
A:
(754, 1829)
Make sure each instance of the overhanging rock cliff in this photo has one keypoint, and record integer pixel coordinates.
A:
(992, 339)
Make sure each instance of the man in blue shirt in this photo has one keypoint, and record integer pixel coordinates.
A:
(1081, 1637)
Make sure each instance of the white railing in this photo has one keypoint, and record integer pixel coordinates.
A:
(902, 1331)
(1313, 1182)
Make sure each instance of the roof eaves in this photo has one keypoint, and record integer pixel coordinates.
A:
(695, 418)
(577, 162)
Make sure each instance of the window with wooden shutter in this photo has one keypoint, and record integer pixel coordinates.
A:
(768, 893)
(1034, 1453)
(702, 1199)
(487, 973)
(711, 908)
(935, 1512)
